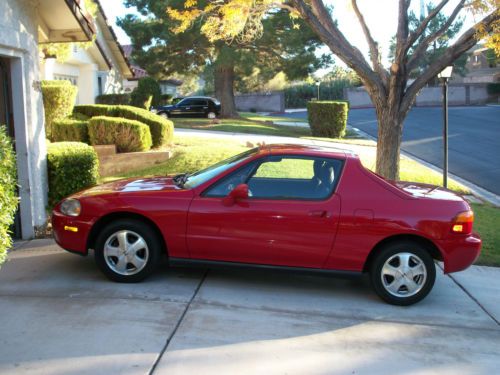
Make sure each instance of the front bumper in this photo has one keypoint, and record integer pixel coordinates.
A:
(70, 233)
(460, 252)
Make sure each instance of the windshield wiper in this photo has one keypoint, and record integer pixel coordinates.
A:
(181, 179)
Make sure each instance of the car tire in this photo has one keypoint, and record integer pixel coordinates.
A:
(403, 273)
(163, 114)
(127, 251)
(211, 115)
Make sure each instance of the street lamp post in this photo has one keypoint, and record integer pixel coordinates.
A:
(445, 76)
(317, 84)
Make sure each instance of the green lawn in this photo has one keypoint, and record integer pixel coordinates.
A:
(257, 117)
(487, 224)
(194, 152)
(242, 125)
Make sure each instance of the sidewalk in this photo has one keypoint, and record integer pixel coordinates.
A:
(61, 316)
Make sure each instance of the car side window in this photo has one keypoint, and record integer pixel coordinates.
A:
(185, 103)
(223, 187)
(295, 177)
(199, 102)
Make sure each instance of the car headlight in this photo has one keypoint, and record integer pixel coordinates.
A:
(71, 207)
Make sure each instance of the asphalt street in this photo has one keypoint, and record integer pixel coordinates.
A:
(474, 144)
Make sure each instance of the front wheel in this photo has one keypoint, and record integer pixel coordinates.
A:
(127, 251)
(211, 115)
(163, 114)
(403, 273)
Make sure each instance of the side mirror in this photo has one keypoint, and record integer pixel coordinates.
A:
(238, 193)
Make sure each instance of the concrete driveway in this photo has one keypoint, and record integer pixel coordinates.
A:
(60, 316)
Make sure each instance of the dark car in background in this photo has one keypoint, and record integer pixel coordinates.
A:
(192, 106)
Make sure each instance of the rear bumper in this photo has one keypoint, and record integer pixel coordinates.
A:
(459, 253)
(69, 233)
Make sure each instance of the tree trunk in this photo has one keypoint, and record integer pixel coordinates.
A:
(224, 89)
(390, 130)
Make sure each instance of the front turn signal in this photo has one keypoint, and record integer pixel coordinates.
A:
(462, 223)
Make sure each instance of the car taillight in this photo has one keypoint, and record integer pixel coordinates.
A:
(462, 223)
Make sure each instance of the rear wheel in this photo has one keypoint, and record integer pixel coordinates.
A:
(127, 251)
(403, 273)
(163, 114)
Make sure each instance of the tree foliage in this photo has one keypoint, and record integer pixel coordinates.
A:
(163, 50)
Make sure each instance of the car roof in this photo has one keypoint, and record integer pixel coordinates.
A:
(305, 149)
(198, 97)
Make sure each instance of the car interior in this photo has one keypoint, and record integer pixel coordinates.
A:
(314, 179)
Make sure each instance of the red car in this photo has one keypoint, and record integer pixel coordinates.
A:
(281, 206)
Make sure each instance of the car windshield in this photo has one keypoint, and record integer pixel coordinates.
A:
(198, 178)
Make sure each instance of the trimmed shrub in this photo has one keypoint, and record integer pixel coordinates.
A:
(493, 88)
(147, 93)
(91, 110)
(58, 101)
(8, 198)
(70, 130)
(162, 130)
(127, 135)
(113, 99)
(72, 166)
(327, 118)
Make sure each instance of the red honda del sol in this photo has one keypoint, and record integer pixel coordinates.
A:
(297, 207)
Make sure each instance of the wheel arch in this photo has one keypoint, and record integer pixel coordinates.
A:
(430, 246)
(106, 219)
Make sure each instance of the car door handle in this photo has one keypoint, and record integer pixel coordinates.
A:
(319, 213)
(187, 108)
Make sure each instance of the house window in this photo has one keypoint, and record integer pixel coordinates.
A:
(99, 85)
(63, 77)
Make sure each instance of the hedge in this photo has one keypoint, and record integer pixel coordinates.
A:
(162, 130)
(70, 130)
(58, 101)
(72, 166)
(8, 198)
(113, 99)
(493, 88)
(127, 135)
(327, 118)
(147, 93)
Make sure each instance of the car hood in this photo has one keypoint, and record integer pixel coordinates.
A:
(132, 185)
(420, 190)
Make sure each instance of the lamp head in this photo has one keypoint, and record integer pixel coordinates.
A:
(446, 72)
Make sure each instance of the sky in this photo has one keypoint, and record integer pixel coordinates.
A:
(380, 16)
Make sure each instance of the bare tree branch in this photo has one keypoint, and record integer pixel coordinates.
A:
(464, 43)
(414, 35)
(374, 52)
(422, 47)
(398, 69)
(317, 16)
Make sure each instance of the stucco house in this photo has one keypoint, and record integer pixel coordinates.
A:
(100, 69)
(25, 24)
(482, 67)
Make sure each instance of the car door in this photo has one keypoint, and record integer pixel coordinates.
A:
(288, 220)
(183, 108)
(199, 107)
